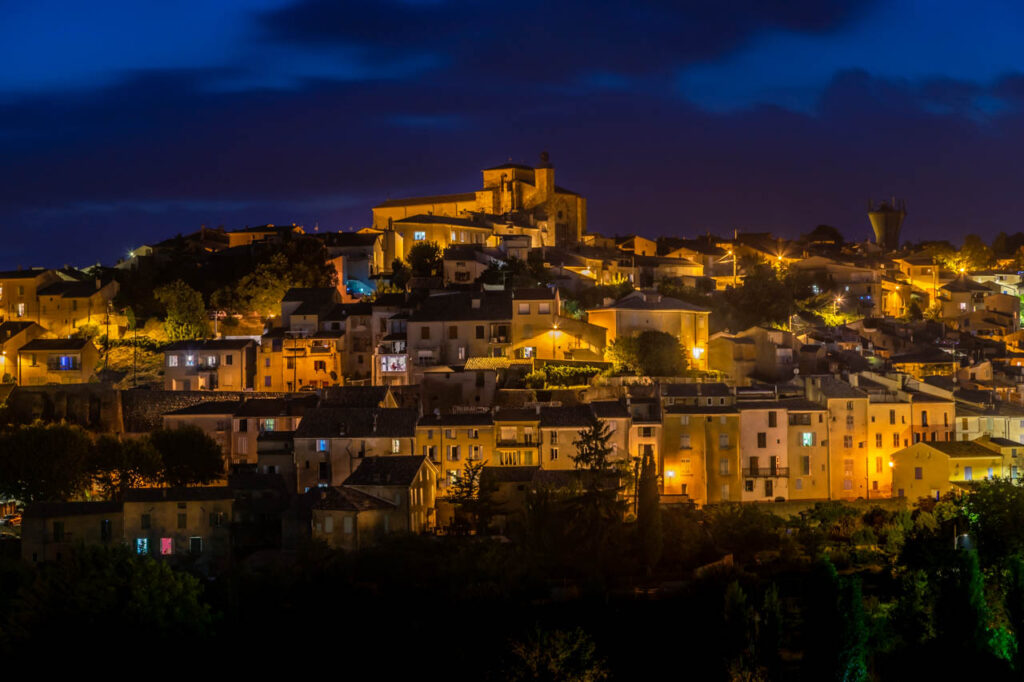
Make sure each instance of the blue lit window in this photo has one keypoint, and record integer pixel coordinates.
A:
(141, 546)
(419, 236)
(321, 445)
(66, 362)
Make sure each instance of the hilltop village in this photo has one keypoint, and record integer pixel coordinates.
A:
(363, 377)
(476, 401)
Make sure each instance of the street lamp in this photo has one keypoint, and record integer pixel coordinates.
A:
(836, 303)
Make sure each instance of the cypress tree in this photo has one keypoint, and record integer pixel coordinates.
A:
(649, 514)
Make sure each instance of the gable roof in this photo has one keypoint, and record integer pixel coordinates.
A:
(358, 422)
(54, 344)
(343, 498)
(386, 471)
(639, 301)
(220, 492)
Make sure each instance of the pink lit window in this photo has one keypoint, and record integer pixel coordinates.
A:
(166, 546)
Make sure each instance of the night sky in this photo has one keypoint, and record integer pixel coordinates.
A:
(124, 122)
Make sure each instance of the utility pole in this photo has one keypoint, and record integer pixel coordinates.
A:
(735, 236)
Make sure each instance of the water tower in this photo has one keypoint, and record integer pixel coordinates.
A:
(887, 219)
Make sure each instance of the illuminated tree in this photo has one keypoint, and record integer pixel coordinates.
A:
(424, 259)
(185, 313)
(119, 465)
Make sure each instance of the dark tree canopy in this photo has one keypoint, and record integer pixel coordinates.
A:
(44, 462)
(189, 456)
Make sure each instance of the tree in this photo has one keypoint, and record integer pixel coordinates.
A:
(649, 513)
(853, 634)
(740, 628)
(825, 234)
(1015, 610)
(962, 614)
(424, 259)
(185, 313)
(464, 492)
(400, 274)
(993, 511)
(557, 656)
(189, 456)
(100, 594)
(593, 448)
(44, 462)
(975, 253)
(649, 353)
(119, 465)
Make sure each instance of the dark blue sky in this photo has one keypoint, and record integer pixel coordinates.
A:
(123, 122)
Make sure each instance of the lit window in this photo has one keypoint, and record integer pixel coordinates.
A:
(166, 546)
(419, 236)
(321, 445)
(172, 360)
(396, 446)
(807, 439)
(141, 546)
(190, 361)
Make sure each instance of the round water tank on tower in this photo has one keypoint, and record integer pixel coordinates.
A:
(887, 219)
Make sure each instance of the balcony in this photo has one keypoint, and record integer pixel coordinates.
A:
(766, 472)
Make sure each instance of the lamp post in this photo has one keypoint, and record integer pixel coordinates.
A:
(835, 304)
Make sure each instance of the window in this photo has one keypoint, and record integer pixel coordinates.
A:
(878, 465)
(773, 420)
(684, 441)
(419, 236)
(524, 308)
(807, 439)
(217, 518)
(190, 361)
(799, 484)
(323, 471)
(106, 530)
(684, 420)
(453, 332)
(229, 359)
(723, 441)
(396, 446)
(146, 522)
(847, 441)
(895, 440)
(878, 440)
(847, 467)
(924, 418)
(195, 545)
(424, 332)
(748, 485)
(166, 546)
(847, 484)
(172, 360)
(646, 431)
(849, 404)
(805, 466)
(267, 381)
(892, 416)
(685, 466)
(849, 421)
(474, 433)
(182, 521)
(968, 473)
(723, 466)
(554, 436)
(554, 454)
(918, 473)
(268, 424)
(319, 365)
(347, 525)
(762, 440)
(544, 308)
(453, 453)
(142, 546)
(479, 331)
(21, 308)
